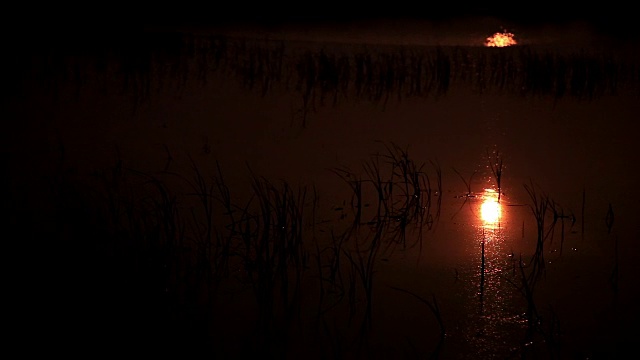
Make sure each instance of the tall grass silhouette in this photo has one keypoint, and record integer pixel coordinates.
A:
(187, 251)
(206, 268)
(324, 74)
(186, 259)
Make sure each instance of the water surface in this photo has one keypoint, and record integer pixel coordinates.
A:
(334, 141)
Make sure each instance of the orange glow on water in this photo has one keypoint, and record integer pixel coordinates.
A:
(501, 40)
(490, 210)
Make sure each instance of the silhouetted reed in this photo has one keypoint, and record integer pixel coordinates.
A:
(401, 195)
(537, 325)
(362, 259)
(177, 253)
(560, 215)
(435, 309)
(469, 194)
(332, 282)
(404, 194)
(544, 328)
(273, 256)
(496, 165)
(197, 243)
(148, 255)
(539, 328)
(355, 202)
(539, 207)
(190, 248)
(147, 62)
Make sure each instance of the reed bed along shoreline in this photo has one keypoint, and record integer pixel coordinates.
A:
(323, 73)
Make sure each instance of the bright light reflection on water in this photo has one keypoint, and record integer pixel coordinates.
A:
(490, 210)
(493, 308)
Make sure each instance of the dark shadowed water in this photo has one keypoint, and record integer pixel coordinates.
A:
(319, 192)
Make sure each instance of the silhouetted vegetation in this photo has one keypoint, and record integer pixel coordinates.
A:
(182, 264)
(324, 73)
(207, 270)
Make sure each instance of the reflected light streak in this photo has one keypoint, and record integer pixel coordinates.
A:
(490, 210)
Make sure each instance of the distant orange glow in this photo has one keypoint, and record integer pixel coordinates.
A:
(490, 210)
(501, 40)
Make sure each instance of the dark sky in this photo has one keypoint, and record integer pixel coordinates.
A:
(123, 17)
(542, 10)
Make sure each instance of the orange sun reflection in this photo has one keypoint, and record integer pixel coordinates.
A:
(490, 210)
(501, 40)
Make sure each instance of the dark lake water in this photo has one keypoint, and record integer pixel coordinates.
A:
(377, 191)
